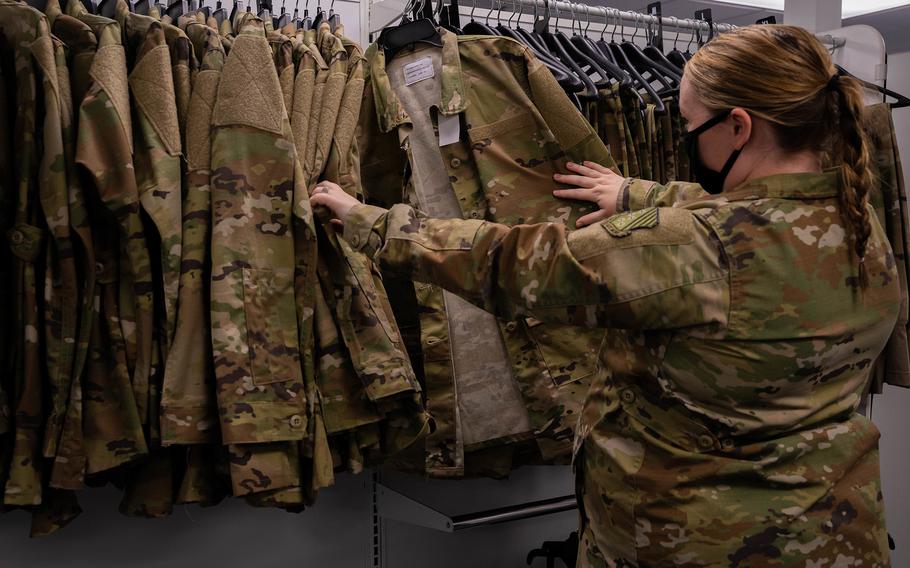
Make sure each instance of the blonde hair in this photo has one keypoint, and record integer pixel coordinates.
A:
(784, 75)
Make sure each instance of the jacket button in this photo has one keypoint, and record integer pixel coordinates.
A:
(705, 442)
(628, 396)
(726, 444)
(16, 237)
(296, 421)
(432, 340)
(511, 326)
(455, 162)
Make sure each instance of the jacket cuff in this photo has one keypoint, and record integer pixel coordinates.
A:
(364, 229)
(637, 194)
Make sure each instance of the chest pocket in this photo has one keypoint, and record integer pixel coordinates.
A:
(516, 159)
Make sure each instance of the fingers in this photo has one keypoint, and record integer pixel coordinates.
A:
(325, 187)
(599, 168)
(337, 224)
(592, 218)
(580, 194)
(586, 170)
(580, 181)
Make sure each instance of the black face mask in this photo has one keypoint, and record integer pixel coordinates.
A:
(710, 180)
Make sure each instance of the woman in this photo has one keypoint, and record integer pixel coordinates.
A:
(743, 318)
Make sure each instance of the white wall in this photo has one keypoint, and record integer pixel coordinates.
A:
(891, 410)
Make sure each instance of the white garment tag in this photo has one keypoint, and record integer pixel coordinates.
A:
(418, 71)
(449, 129)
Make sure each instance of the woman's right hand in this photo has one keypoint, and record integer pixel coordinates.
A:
(594, 183)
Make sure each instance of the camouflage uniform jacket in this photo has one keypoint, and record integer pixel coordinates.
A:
(116, 382)
(721, 427)
(889, 198)
(515, 129)
(188, 407)
(43, 269)
(255, 192)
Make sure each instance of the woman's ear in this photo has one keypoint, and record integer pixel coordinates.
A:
(742, 127)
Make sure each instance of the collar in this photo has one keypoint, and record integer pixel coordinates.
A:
(789, 186)
(388, 106)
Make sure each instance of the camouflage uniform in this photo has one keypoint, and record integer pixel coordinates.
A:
(188, 407)
(257, 190)
(115, 388)
(721, 429)
(531, 379)
(889, 198)
(44, 271)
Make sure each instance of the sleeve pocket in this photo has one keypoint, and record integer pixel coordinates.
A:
(271, 325)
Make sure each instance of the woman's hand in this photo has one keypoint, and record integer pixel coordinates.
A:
(596, 184)
(336, 199)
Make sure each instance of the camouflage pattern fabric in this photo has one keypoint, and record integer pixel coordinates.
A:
(511, 142)
(721, 429)
(889, 199)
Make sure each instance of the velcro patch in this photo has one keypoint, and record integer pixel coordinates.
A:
(622, 224)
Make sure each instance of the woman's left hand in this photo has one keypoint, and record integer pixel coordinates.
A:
(594, 183)
(336, 199)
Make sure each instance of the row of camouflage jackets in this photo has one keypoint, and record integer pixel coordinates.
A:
(175, 320)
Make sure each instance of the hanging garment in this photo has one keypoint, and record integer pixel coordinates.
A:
(889, 200)
(506, 128)
(673, 416)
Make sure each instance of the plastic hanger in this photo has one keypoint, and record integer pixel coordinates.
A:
(561, 47)
(901, 101)
(622, 59)
(607, 70)
(560, 72)
(676, 56)
(394, 39)
(476, 28)
(176, 9)
(646, 68)
(107, 8)
(334, 17)
(575, 44)
(219, 13)
(449, 18)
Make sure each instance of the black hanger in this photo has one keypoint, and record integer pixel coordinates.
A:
(676, 56)
(607, 69)
(560, 72)
(89, 5)
(449, 17)
(307, 22)
(395, 38)
(320, 15)
(334, 17)
(901, 101)
(575, 47)
(283, 19)
(206, 11)
(220, 13)
(646, 68)
(107, 8)
(562, 48)
(39, 5)
(476, 28)
(622, 59)
(264, 10)
(177, 8)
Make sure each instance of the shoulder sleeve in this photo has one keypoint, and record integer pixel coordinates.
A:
(659, 268)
